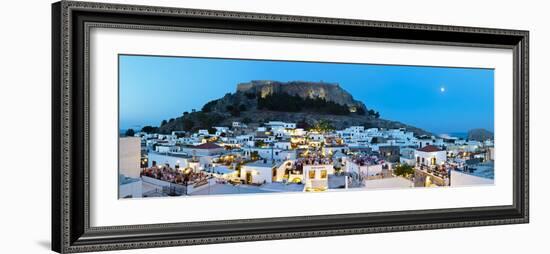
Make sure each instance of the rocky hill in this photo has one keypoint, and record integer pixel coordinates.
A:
(480, 135)
(247, 95)
(305, 103)
(314, 90)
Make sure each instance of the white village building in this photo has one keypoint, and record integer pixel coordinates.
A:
(206, 149)
(129, 166)
(430, 156)
(172, 160)
(129, 156)
(257, 172)
(316, 176)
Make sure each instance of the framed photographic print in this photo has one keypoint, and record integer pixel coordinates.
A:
(183, 126)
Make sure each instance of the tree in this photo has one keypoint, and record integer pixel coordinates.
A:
(242, 107)
(403, 170)
(149, 129)
(164, 122)
(185, 113)
(377, 115)
(323, 126)
(254, 156)
(294, 103)
(360, 111)
(130, 133)
(209, 106)
(212, 130)
(207, 120)
(259, 143)
(303, 124)
(188, 124)
(247, 120)
(235, 112)
(371, 112)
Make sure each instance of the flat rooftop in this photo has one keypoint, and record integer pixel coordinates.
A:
(260, 164)
(179, 155)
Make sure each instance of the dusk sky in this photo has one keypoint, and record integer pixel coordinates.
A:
(439, 100)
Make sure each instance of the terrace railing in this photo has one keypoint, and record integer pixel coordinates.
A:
(175, 189)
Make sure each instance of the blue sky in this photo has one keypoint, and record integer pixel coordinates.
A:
(437, 99)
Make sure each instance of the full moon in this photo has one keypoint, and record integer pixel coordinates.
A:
(442, 89)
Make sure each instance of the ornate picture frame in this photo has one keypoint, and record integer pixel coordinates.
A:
(71, 229)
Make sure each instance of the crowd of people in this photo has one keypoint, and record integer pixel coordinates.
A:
(313, 160)
(438, 170)
(171, 175)
(363, 160)
(299, 163)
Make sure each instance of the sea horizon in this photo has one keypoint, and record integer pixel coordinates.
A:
(459, 134)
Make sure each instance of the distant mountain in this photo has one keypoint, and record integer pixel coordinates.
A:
(305, 103)
(480, 134)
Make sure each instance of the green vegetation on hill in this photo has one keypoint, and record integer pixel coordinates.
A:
(150, 129)
(294, 103)
(209, 105)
